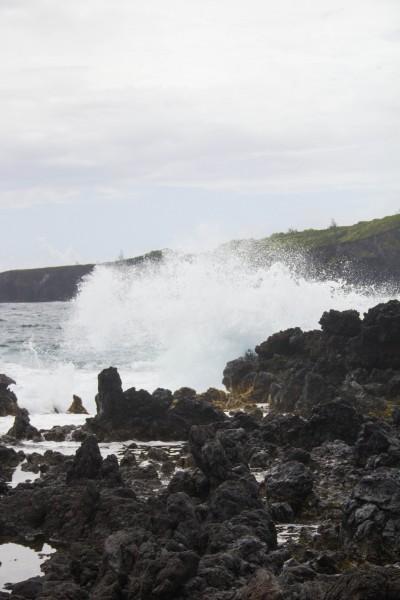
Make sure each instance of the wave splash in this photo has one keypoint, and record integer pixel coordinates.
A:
(178, 322)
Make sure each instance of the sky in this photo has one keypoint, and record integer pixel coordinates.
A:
(128, 126)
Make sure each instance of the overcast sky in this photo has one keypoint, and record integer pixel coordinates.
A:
(138, 125)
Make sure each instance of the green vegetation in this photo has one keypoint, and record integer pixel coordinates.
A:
(316, 238)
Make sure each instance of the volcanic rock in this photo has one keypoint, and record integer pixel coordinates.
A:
(22, 428)
(372, 517)
(137, 413)
(8, 400)
(87, 463)
(77, 407)
(290, 482)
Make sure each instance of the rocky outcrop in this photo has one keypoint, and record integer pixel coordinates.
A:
(352, 362)
(22, 428)
(8, 400)
(138, 414)
(77, 407)
(372, 517)
(290, 482)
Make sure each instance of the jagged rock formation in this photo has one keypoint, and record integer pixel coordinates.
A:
(352, 361)
(22, 428)
(8, 400)
(77, 407)
(138, 414)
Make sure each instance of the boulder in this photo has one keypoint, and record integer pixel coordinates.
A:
(239, 373)
(87, 463)
(8, 400)
(77, 407)
(370, 583)
(290, 482)
(283, 343)
(346, 323)
(376, 438)
(233, 497)
(371, 524)
(335, 420)
(22, 428)
(209, 454)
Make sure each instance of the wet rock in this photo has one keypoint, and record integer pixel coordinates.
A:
(9, 458)
(87, 462)
(145, 471)
(284, 343)
(377, 438)
(8, 400)
(157, 454)
(233, 497)
(167, 468)
(29, 589)
(290, 482)
(237, 371)
(193, 484)
(79, 434)
(262, 586)
(281, 512)
(110, 470)
(372, 517)
(77, 407)
(217, 398)
(209, 454)
(336, 420)
(297, 454)
(315, 391)
(128, 459)
(22, 428)
(58, 433)
(136, 413)
(346, 323)
(367, 584)
(260, 459)
(351, 358)
(287, 430)
(396, 416)
(184, 393)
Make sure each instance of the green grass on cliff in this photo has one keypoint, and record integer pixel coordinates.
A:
(317, 238)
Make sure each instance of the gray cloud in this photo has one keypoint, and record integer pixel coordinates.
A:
(213, 96)
(101, 100)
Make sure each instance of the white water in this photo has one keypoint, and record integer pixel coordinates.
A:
(18, 563)
(165, 325)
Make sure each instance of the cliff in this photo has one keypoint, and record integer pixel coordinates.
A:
(53, 284)
(367, 253)
(42, 285)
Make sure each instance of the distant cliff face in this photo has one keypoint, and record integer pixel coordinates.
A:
(54, 284)
(42, 285)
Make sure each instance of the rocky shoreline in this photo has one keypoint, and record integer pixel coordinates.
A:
(301, 503)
